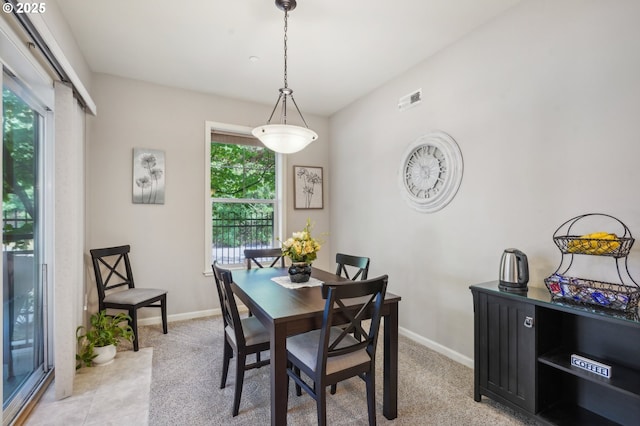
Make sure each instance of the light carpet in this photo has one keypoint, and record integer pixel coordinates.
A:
(187, 364)
(112, 394)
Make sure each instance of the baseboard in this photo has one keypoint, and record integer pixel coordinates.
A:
(456, 356)
(180, 317)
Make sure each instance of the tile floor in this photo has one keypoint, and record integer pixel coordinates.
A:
(114, 394)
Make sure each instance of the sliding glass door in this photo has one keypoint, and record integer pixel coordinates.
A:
(25, 334)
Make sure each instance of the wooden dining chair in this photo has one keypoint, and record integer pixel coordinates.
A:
(358, 265)
(331, 354)
(116, 289)
(242, 337)
(257, 255)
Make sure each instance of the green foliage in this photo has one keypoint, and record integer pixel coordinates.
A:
(242, 172)
(20, 136)
(104, 330)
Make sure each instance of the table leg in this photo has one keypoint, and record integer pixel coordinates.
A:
(279, 378)
(390, 391)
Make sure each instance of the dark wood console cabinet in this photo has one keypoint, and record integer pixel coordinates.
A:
(523, 345)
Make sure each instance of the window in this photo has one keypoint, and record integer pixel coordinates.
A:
(245, 196)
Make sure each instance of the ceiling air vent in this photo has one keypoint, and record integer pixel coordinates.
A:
(410, 100)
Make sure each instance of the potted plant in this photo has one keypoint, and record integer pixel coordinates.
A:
(97, 345)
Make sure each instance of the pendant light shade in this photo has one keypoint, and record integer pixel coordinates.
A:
(285, 138)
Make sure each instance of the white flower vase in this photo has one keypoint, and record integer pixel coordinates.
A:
(105, 355)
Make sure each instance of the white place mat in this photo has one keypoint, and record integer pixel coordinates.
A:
(285, 281)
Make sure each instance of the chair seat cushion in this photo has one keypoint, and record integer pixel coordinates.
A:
(305, 348)
(254, 332)
(133, 296)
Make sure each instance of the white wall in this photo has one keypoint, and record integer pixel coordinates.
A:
(167, 240)
(544, 102)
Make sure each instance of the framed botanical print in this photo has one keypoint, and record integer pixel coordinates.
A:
(307, 187)
(148, 176)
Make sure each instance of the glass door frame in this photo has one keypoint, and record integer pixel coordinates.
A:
(43, 232)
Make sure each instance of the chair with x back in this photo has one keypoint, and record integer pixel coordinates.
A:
(359, 266)
(116, 289)
(331, 354)
(242, 337)
(257, 255)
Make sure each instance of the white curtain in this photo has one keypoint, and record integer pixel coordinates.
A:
(69, 234)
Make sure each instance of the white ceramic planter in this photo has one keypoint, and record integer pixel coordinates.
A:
(106, 354)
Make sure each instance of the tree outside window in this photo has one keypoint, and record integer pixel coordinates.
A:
(243, 190)
(18, 172)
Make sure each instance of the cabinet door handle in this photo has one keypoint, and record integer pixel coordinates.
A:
(528, 322)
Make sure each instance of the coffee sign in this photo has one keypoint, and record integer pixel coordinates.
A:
(591, 366)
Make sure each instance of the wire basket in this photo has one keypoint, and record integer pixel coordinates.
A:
(603, 294)
(616, 243)
(614, 246)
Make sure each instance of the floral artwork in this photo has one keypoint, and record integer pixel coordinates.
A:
(307, 187)
(148, 176)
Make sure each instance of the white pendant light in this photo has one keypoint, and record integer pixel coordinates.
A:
(285, 138)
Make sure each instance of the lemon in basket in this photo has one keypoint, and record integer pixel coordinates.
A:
(595, 243)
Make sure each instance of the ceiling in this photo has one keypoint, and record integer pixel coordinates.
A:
(338, 51)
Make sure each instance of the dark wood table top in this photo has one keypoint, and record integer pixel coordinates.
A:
(283, 304)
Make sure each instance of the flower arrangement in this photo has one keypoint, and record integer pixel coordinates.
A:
(301, 247)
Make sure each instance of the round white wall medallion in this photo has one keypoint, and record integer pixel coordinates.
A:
(431, 171)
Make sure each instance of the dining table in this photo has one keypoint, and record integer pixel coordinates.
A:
(286, 311)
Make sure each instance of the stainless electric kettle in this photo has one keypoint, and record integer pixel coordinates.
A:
(514, 269)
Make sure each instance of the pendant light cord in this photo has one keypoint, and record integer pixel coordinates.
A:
(286, 15)
(286, 85)
(285, 92)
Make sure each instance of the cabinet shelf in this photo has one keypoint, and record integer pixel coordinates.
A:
(573, 415)
(623, 379)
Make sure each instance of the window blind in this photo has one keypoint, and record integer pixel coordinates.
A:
(237, 139)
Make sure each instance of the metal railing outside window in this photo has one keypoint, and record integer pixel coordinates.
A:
(238, 225)
(17, 229)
